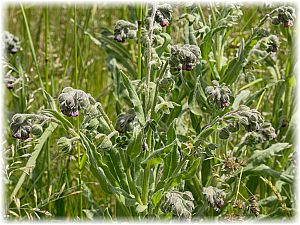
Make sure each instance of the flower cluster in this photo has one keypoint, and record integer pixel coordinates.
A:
(22, 125)
(218, 95)
(286, 16)
(214, 196)
(11, 42)
(124, 30)
(125, 121)
(10, 81)
(163, 14)
(251, 119)
(72, 100)
(179, 203)
(271, 43)
(183, 57)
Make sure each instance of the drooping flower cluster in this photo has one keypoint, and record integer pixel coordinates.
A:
(286, 16)
(218, 95)
(179, 203)
(22, 125)
(72, 100)
(11, 42)
(125, 121)
(163, 14)
(183, 57)
(214, 196)
(123, 30)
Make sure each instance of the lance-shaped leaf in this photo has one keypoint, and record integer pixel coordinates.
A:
(136, 143)
(138, 108)
(157, 156)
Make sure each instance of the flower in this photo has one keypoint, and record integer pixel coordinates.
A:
(11, 42)
(20, 126)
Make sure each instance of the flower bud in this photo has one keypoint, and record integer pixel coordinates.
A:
(214, 196)
(166, 85)
(218, 95)
(224, 133)
(64, 144)
(20, 126)
(123, 30)
(233, 126)
(11, 42)
(37, 130)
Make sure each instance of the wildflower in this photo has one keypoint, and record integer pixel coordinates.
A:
(11, 42)
(64, 144)
(183, 57)
(286, 16)
(214, 196)
(179, 203)
(218, 95)
(72, 100)
(20, 126)
(125, 121)
(124, 30)
(163, 14)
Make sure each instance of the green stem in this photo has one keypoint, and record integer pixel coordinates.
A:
(201, 15)
(146, 170)
(140, 18)
(78, 121)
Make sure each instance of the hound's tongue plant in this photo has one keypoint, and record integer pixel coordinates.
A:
(189, 138)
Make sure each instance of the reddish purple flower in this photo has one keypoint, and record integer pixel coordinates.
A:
(164, 23)
(288, 23)
(226, 103)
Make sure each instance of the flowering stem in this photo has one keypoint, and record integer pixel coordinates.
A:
(148, 68)
(78, 122)
(140, 17)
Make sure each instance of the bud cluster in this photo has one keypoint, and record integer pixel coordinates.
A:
(179, 203)
(163, 14)
(11, 42)
(184, 57)
(251, 119)
(72, 100)
(286, 16)
(22, 125)
(123, 30)
(218, 95)
(125, 121)
(10, 81)
(214, 196)
(166, 84)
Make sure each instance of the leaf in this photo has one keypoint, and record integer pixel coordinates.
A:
(135, 144)
(167, 40)
(157, 156)
(260, 156)
(138, 108)
(264, 170)
(234, 68)
(59, 117)
(141, 208)
(34, 155)
(156, 197)
(102, 173)
(241, 97)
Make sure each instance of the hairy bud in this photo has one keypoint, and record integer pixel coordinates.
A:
(11, 42)
(20, 126)
(214, 196)
(218, 95)
(64, 144)
(123, 30)
(37, 130)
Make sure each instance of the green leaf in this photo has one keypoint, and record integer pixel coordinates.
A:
(135, 144)
(260, 156)
(59, 117)
(167, 40)
(156, 197)
(240, 98)
(234, 68)
(157, 156)
(34, 155)
(138, 108)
